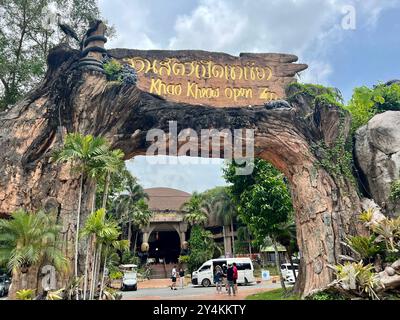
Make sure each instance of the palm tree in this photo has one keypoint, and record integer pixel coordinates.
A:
(105, 232)
(86, 153)
(28, 240)
(113, 162)
(130, 206)
(141, 216)
(195, 212)
(103, 167)
(109, 238)
(225, 212)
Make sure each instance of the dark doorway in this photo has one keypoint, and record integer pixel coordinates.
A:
(164, 245)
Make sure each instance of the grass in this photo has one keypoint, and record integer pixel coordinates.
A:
(277, 294)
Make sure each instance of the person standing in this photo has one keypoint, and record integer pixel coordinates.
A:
(224, 271)
(181, 277)
(218, 276)
(235, 276)
(229, 278)
(173, 278)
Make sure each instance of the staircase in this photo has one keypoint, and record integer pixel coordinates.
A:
(159, 271)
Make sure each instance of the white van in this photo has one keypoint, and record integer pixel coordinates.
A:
(205, 274)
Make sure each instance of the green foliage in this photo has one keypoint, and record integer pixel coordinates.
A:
(325, 296)
(262, 198)
(358, 278)
(201, 245)
(388, 232)
(26, 36)
(106, 231)
(25, 294)
(366, 216)
(112, 69)
(395, 190)
(116, 275)
(30, 239)
(122, 185)
(85, 151)
(366, 247)
(183, 259)
(129, 258)
(195, 213)
(318, 93)
(367, 102)
(277, 294)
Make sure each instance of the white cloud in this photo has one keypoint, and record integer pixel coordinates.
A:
(307, 28)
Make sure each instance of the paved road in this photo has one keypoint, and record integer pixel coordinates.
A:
(195, 293)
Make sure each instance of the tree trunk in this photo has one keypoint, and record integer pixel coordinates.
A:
(224, 235)
(233, 239)
(103, 275)
(106, 187)
(129, 230)
(291, 262)
(135, 244)
(77, 232)
(278, 265)
(326, 203)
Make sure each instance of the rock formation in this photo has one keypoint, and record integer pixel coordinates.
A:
(377, 151)
(73, 99)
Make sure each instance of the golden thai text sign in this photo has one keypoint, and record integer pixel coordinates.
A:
(208, 78)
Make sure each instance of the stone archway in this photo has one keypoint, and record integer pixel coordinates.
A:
(75, 100)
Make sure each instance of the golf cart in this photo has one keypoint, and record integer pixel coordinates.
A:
(129, 280)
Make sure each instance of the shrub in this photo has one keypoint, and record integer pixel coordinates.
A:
(115, 71)
(115, 275)
(183, 259)
(201, 246)
(395, 190)
(357, 278)
(325, 296)
(320, 94)
(112, 69)
(367, 102)
(25, 294)
(366, 247)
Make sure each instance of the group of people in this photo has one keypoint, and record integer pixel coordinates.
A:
(226, 276)
(174, 276)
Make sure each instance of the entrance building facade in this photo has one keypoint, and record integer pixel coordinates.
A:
(166, 236)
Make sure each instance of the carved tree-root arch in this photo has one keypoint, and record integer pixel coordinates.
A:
(71, 100)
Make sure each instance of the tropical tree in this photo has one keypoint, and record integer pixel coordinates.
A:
(263, 201)
(112, 163)
(28, 30)
(131, 208)
(194, 208)
(225, 211)
(201, 247)
(104, 233)
(85, 153)
(28, 240)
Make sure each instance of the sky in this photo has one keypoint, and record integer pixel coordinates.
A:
(346, 43)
